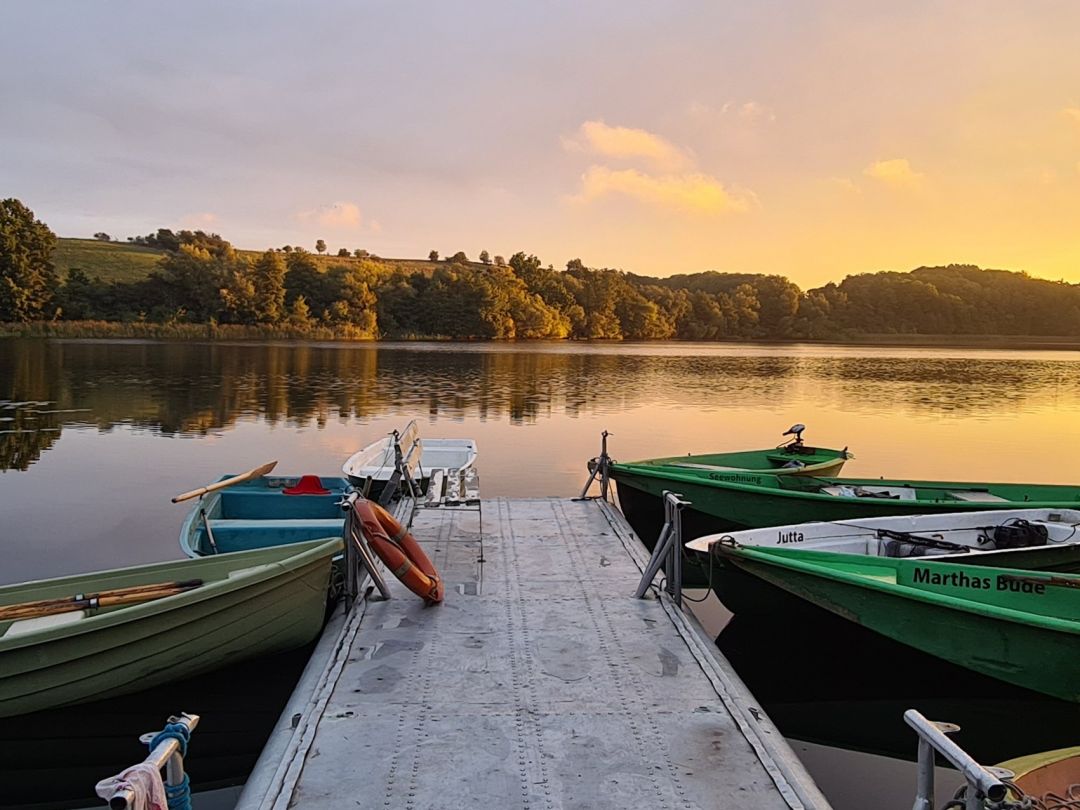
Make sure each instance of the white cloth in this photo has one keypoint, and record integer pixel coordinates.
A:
(144, 780)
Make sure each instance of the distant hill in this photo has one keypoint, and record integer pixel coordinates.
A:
(120, 261)
(111, 261)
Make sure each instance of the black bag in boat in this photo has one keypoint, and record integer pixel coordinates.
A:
(1019, 533)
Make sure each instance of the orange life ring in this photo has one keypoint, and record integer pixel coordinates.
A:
(399, 551)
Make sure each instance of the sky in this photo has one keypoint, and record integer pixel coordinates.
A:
(809, 139)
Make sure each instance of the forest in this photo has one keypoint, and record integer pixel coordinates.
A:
(201, 278)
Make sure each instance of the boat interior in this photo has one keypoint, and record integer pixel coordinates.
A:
(421, 456)
(268, 512)
(920, 536)
(929, 491)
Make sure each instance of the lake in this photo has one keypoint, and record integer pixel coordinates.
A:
(95, 437)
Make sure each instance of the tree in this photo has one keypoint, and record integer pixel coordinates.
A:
(360, 253)
(500, 261)
(27, 278)
(485, 257)
(320, 245)
(433, 256)
(268, 274)
(459, 258)
(343, 253)
(287, 249)
(101, 236)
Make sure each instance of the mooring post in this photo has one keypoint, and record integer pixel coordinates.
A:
(599, 466)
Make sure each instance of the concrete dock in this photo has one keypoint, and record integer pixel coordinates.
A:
(539, 684)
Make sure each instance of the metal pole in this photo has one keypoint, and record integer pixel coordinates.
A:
(982, 783)
(675, 571)
(604, 462)
(924, 786)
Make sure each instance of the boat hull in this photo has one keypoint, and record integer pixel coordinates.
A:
(277, 607)
(1040, 658)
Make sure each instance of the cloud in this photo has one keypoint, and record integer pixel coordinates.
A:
(896, 172)
(342, 215)
(201, 219)
(1072, 114)
(748, 112)
(598, 138)
(693, 192)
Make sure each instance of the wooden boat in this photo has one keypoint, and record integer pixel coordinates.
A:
(759, 500)
(262, 512)
(1045, 775)
(372, 468)
(248, 604)
(1019, 626)
(1035, 539)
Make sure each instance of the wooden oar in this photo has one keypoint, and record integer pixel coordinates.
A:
(258, 472)
(80, 597)
(33, 611)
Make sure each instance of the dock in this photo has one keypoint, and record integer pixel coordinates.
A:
(540, 683)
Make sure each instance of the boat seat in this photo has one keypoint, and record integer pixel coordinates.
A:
(976, 497)
(242, 534)
(24, 626)
(284, 523)
(453, 486)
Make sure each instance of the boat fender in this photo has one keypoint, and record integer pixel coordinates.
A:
(399, 551)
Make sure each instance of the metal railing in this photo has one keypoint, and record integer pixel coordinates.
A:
(984, 784)
(359, 558)
(668, 551)
(166, 754)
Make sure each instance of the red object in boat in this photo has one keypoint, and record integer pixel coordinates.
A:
(307, 485)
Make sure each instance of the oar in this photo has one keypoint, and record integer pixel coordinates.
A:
(16, 612)
(258, 472)
(81, 597)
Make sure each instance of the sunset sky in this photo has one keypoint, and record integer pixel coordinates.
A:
(813, 140)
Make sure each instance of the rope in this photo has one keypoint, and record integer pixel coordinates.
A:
(179, 796)
(173, 731)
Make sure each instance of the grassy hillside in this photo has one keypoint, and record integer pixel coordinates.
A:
(119, 261)
(111, 261)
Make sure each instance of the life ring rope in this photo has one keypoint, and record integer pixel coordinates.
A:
(399, 551)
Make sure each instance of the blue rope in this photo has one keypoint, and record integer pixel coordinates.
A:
(177, 796)
(172, 731)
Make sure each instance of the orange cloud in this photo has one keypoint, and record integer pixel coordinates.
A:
(896, 172)
(1072, 114)
(202, 219)
(337, 215)
(694, 192)
(598, 138)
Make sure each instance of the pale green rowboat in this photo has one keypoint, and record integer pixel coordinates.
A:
(250, 604)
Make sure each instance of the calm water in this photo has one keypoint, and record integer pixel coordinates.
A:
(96, 436)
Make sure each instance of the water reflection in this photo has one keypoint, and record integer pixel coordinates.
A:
(178, 389)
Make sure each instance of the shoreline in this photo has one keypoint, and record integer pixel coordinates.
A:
(120, 331)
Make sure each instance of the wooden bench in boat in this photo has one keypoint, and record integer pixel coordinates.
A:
(974, 496)
(870, 491)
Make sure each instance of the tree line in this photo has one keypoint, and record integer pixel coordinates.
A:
(202, 278)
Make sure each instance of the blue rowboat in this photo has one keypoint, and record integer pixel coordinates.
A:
(264, 512)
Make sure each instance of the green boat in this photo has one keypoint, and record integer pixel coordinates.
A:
(759, 499)
(223, 609)
(1018, 626)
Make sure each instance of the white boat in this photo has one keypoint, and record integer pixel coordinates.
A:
(424, 459)
(1000, 533)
